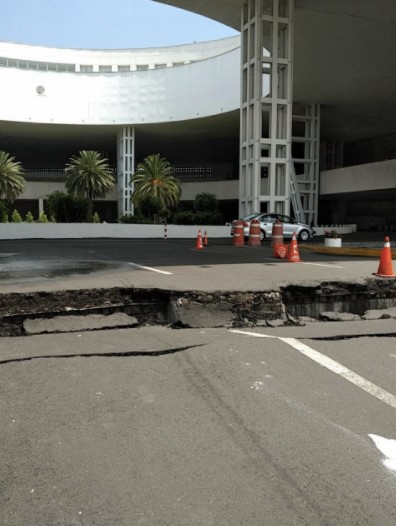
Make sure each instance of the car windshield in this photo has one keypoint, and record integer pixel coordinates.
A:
(250, 217)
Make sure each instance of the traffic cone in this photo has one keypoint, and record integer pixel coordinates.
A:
(199, 244)
(293, 255)
(205, 239)
(385, 269)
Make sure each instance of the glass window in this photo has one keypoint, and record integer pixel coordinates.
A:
(160, 66)
(124, 68)
(104, 69)
(141, 67)
(86, 69)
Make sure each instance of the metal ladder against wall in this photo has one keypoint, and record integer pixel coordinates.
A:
(299, 214)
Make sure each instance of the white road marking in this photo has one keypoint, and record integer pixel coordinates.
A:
(254, 334)
(387, 446)
(151, 269)
(8, 254)
(306, 263)
(321, 265)
(333, 366)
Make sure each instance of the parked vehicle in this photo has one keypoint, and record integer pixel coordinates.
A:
(290, 226)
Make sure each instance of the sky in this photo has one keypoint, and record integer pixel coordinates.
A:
(103, 24)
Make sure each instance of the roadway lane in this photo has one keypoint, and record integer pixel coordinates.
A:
(231, 430)
(107, 263)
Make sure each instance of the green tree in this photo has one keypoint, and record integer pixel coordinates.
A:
(12, 181)
(89, 175)
(154, 181)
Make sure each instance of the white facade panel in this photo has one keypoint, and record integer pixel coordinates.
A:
(95, 57)
(196, 90)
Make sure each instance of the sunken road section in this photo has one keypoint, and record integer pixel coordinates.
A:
(94, 309)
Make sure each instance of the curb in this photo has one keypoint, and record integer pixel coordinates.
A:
(346, 251)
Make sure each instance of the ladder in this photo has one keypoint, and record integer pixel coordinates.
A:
(299, 214)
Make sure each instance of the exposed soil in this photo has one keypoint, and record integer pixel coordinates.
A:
(201, 309)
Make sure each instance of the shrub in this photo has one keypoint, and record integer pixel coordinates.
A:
(199, 218)
(29, 217)
(206, 202)
(68, 209)
(42, 218)
(136, 219)
(16, 217)
(3, 212)
(184, 218)
(96, 218)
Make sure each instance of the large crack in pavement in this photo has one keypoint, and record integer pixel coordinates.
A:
(41, 312)
(125, 354)
(353, 336)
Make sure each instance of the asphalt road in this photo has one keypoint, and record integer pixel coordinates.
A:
(169, 427)
(29, 265)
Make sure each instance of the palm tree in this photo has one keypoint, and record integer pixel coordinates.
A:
(88, 175)
(12, 181)
(154, 180)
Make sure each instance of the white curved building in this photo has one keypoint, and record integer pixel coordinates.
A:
(182, 102)
(297, 116)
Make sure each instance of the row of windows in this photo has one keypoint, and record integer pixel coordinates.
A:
(50, 66)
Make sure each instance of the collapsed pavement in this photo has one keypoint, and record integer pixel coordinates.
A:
(118, 307)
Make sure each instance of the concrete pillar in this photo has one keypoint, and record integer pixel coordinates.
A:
(125, 169)
(266, 105)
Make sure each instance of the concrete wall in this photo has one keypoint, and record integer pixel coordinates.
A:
(104, 230)
(373, 176)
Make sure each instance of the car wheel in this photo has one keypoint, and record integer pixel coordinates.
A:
(262, 235)
(303, 235)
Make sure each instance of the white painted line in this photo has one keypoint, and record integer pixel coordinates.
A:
(151, 269)
(387, 446)
(306, 263)
(335, 367)
(254, 334)
(321, 265)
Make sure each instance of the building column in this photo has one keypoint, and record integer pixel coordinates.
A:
(125, 169)
(266, 106)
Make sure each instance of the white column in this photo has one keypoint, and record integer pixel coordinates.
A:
(125, 169)
(266, 105)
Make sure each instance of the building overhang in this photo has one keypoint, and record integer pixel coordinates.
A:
(344, 51)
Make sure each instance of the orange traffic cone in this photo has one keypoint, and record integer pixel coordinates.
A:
(293, 255)
(199, 244)
(205, 239)
(385, 269)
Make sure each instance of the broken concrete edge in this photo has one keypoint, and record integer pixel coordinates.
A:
(291, 304)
